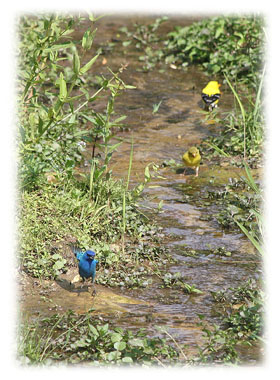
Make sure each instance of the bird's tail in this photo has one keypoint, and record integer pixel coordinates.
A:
(77, 251)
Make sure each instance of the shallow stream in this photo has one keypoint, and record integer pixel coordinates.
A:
(166, 135)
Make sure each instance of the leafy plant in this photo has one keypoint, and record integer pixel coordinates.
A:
(241, 325)
(74, 339)
(175, 281)
(242, 129)
(254, 235)
(57, 120)
(145, 38)
(156, 107)
(54, 98)
(230, 43)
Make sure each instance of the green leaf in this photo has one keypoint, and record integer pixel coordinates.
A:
(69, 164)
(250, 180)
(136, 342)
(40, 126)
(111, 148)
(120, 119)
(85, 39)
(156, 107)
(120, 346)
(88, 39)
(220, 340)
(128, 86)
(62, 88)
(114, 355)
(56, 256)
(217, 149)
(116, 337)
(201, 316)
(103, 329)
(250, 237)
(148, 350)
(147, 173)
(237, 98)
(219, 31)
(58, 47)
(127, 359)
(93, 330)
(76, 63)
(59, 264)
(87, 66)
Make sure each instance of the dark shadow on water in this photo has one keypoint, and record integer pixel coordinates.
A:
(66, 285)
(178, 117)
(185, 171)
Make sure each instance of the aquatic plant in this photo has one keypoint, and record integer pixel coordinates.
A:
(145, 37)
(241, 324)
(74, 339)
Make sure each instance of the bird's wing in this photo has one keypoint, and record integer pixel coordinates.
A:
(210, 99)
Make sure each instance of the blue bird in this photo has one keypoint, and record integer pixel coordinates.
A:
(87, 264)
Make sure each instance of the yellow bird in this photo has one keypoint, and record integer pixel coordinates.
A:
(211, 94)
(192, 159)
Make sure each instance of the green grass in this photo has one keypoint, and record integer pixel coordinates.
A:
(60, 213)
(242, 137)
(242, 129)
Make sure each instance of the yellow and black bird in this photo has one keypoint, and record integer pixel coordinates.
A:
(192, 159)
(211, 94)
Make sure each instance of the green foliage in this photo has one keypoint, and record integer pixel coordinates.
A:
(175, 281)
(49, 217)
(135, 265)
(55, 101)
(143, 34)
(231, 44)
(146, 38)
(242, 129)
(57, 120)
(74, 339)
(156, 107)
(242, 324)
(243, 208)
(238, 204)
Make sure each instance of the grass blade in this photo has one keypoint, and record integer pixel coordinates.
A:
(258, 98)
(237, 98)
(242, 112)
(130, 165)
(217, 149)
(250, 237)
(250, 180)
